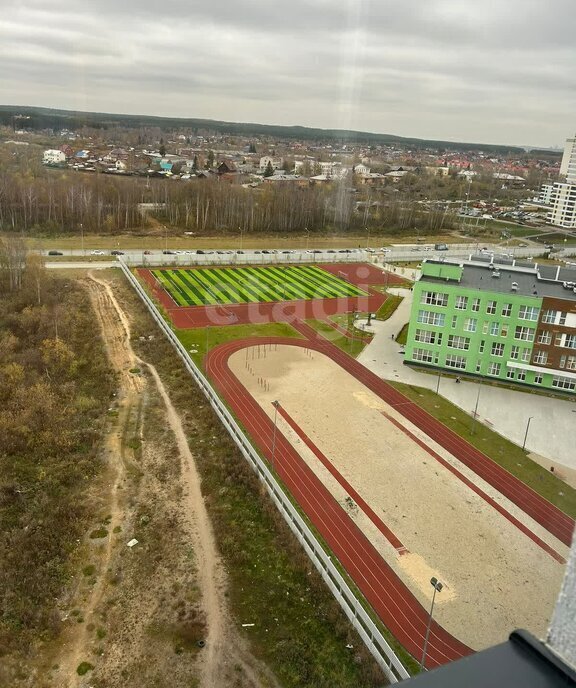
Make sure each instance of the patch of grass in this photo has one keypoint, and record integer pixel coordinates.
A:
(352, 346)
(403, 334)
(100, 633)
(503, 452)
(117, 529)
(202, 339)
(388, 307)
(84, 668)
(98, 533)
(135, 371)
(89, 570)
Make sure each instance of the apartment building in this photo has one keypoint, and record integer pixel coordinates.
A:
(563, 194)
(496, 318)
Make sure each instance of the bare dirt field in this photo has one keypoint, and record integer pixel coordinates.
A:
(154, 613)
(496, 578)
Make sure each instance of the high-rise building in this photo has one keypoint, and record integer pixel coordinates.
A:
(562, 212)
(499, 320)
(568, 164)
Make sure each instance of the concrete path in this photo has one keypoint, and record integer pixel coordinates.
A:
(550, 422)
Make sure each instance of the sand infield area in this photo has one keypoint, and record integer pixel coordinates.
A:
(496, 577)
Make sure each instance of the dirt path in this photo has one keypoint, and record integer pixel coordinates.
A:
(225, 659)
(114, 329)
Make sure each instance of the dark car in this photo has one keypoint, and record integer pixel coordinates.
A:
(220, 253)
(242, 252)
(316, 250)
(330, 250)
(116, 252)
(257, 251)
(168, 252)
(147, 253)
(55, 253)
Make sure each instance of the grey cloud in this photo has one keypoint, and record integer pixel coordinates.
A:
(437, 68)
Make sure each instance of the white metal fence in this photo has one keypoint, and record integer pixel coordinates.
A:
(372, 637)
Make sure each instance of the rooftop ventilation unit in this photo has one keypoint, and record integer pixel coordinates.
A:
(514, 286)
(496, 273)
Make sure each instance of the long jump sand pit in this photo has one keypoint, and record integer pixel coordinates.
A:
(496, 577)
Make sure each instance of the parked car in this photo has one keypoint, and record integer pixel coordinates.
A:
(98, 252)
(116, 252)
(168, 252)
(240, 252)
(55, 253)
(147, 253)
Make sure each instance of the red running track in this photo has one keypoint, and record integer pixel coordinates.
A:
(390, 598)
(541, 510)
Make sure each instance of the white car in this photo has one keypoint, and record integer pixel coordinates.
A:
(98, 252)
(385, 250)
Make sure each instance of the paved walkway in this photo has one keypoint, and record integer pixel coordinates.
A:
(550, 436)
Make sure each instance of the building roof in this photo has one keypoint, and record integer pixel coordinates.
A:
(521, 662)
(497, 274)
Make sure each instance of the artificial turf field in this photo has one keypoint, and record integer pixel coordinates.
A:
(212, 286)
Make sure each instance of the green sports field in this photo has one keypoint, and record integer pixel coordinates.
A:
(211, 286)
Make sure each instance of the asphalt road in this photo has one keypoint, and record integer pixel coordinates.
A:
(399, 253)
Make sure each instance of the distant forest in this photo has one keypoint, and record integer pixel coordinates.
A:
(47, 118)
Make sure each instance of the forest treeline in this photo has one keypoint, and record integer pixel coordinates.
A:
(55, 387)
(59, 202)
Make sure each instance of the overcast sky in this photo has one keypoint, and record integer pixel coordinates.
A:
(494, 71)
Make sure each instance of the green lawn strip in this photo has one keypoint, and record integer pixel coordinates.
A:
(338, 282)
(351, 346)
(267, 290)
(388, 307)
(215, 285)
(344, 320)
(233, 278)
(403, 334)
(197, 296)
(175, 289)
(325, 287)
(278, 277)
(270, 281)
(164, 282)
(301, 287)
(500, 450)
(198, 337)
(213, 297)
(252, 293)
(312, 286)
(223, 287)
(299, 291)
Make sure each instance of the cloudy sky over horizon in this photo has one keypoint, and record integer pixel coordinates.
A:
(494, 71)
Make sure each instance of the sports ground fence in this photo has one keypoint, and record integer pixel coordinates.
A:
(359, 618)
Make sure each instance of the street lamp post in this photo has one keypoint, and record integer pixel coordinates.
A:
(307, 236)
(438, 383)
(241, 237)
(475, 414)
(437, 585)
(276, 405)
(82, 238)
(526, 433)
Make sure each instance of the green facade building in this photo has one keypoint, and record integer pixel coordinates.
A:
(499, 320)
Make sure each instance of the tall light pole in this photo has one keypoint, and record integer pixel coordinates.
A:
(82, 237)
(437, 585)
(367, 236)
(526, 433)
(475, 414)
(307, 236)
(241, 237)
(276, 405)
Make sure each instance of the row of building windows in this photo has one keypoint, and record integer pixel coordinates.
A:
(495, 329)
(494, 369)
(441, 299)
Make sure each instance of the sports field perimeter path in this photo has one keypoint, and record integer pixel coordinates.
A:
(390, 598)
